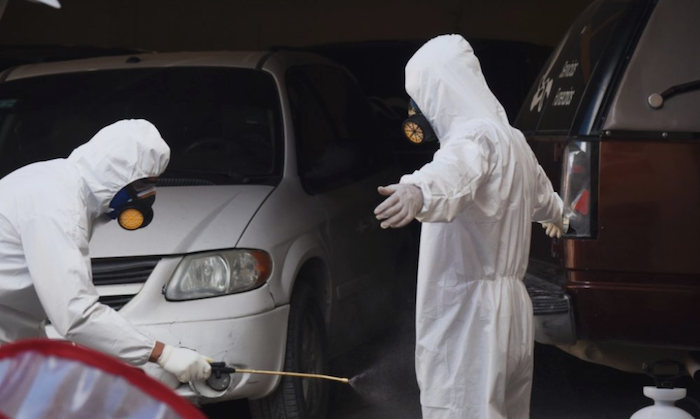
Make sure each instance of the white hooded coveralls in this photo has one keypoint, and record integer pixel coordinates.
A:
(47, 213)
(481, 192)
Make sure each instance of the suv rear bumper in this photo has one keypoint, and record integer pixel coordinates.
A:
(553, 313)
(636, 308)
(622, 308)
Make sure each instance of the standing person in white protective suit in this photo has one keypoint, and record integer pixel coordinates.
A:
(476, 200)
(47, 214)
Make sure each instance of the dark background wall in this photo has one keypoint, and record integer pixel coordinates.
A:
(168, 25)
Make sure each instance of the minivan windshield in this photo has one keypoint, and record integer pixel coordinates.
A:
(223, 125)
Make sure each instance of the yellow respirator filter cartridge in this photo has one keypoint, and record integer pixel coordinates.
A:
(131, 219)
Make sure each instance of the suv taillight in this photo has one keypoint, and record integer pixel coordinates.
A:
(576, 188)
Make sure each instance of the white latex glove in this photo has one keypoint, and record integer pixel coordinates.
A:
(400, 208)
(185, 364)
(551, 230)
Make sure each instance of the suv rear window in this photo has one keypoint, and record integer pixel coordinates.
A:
(223, 125)
(570, 85)
(667, 57)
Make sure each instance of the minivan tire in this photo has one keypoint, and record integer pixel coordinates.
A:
(295, 397)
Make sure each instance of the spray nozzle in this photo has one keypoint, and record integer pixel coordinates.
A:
(220, 368)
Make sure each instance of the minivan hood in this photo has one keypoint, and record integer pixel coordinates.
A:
(187, 219)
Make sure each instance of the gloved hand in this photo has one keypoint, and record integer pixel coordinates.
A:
(551, 230)
(186, 364)
(404, 202)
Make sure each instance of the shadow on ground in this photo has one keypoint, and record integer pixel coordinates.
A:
(563, 386)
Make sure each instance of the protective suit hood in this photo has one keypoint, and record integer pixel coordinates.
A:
(117, 155)
(444, 78)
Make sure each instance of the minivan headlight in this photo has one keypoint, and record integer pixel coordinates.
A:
(218, 273)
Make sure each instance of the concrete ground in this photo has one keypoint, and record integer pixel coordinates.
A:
(564, 387)
(385, 384)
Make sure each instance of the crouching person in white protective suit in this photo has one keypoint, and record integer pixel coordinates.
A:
(47, 214)
(477, 200)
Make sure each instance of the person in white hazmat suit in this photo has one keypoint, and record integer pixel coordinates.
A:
(476, 200)
(47, 214)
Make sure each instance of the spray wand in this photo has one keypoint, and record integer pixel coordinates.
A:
(219, 368)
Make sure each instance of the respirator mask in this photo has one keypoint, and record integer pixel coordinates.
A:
(417, 128)
(132, 205)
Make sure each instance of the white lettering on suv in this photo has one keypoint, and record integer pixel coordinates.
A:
(568, 69)
(563, 97)
(541, 94)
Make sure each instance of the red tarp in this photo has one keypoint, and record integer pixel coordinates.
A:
(46, 379)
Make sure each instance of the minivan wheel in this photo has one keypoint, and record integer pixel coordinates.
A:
(295, 397)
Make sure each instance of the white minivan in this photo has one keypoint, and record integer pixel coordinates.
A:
(264, 252)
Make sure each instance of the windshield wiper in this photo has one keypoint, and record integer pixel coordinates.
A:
(656, 100)
(230, 174)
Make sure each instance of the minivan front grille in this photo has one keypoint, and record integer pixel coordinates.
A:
(116, 301)
(122, 270)
(119, 271)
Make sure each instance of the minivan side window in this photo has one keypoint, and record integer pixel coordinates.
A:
(334, 128)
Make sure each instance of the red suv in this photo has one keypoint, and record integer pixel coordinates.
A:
(613, 118)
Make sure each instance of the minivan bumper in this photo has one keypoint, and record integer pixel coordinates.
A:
(253, 342)
(246, 330)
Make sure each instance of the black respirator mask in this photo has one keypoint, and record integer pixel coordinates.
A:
(417, 128)
(132, 205)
